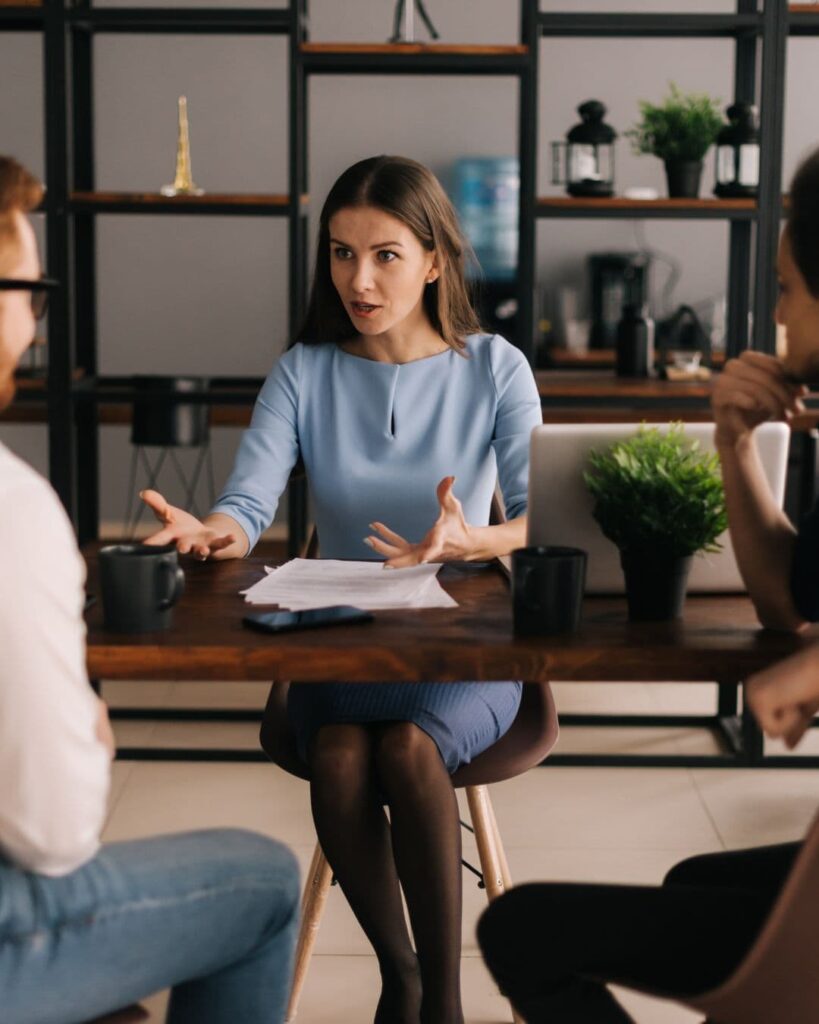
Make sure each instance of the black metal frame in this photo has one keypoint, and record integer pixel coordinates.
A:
(737, 731)
(772, 114)
(68, 33)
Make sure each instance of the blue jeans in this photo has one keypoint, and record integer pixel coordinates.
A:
(211, 914)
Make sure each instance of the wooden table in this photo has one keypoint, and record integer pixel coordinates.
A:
(717, 640)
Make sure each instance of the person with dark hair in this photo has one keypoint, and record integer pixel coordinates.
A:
(84, 928)
(553, 947)
(776, 560)
(390, 394)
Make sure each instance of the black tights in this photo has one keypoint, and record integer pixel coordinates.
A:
(354, 770)
(551, 947)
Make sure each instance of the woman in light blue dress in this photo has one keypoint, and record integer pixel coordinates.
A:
(405, 415)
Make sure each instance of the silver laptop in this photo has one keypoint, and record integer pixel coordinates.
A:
(560, 506)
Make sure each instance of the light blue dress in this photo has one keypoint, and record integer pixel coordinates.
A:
(376, 439)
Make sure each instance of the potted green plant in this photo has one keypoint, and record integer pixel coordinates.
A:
(660, 499)
(679, 132)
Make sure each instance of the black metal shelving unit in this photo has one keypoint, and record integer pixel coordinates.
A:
(75, 389)
(752, 30)
(73, 204)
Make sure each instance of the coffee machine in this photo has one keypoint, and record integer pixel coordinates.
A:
(616, 279)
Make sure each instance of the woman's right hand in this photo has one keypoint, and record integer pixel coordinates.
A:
(750, 390)
(179, 527)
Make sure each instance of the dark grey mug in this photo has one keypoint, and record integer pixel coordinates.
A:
(140, 585)
(547, 589)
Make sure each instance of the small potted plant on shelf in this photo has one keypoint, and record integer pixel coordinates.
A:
(660, 499)
(679, 132)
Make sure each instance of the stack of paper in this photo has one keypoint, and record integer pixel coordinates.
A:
(306, 583)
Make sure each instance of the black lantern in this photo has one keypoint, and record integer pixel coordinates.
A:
(584, 163)
(738, 154)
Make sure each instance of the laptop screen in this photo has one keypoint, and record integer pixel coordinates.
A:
(560, 506)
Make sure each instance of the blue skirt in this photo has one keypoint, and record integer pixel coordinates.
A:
(463, 719)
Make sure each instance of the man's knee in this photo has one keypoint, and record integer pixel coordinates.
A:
(691, 871)
(500, 925)
(256, 853)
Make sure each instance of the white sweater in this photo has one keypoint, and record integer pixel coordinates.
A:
(54, 772)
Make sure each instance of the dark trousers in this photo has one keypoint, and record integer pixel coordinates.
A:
(551, 947)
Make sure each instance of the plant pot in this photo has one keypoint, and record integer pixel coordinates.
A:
(683, 178)
(655, 586)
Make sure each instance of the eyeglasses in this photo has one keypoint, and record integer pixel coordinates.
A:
(39, 292)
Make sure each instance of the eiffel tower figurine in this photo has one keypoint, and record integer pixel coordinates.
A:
(405, 10)
(183, 183)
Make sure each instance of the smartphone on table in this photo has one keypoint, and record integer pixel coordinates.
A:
(313, 618)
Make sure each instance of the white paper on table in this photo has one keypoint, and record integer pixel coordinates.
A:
(304, 583)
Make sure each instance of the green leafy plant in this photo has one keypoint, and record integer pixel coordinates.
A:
(682, 128)
(658, 494)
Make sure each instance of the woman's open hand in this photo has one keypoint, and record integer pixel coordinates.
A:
(449, 540)
(183, 529)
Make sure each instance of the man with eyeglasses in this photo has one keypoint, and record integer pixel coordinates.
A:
(38, 289)
(86, 929)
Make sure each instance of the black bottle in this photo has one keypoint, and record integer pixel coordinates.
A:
(634, 342)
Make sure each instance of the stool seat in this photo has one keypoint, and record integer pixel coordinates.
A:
(526, 743)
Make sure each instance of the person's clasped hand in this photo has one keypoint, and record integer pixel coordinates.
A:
(449, 540)
(785, 697)
(183, 529)
(750, 390)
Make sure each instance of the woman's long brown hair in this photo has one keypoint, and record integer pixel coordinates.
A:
(803, 221)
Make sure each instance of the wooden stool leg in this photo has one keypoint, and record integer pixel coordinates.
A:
(316, 887)
(507, 877)
(490, 849)
(480, 810)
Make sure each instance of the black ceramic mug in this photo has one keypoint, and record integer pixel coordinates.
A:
(140, 585)
(547, 589)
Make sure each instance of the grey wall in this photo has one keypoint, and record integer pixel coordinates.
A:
(209, 295)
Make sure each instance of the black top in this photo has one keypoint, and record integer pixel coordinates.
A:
(805, 567)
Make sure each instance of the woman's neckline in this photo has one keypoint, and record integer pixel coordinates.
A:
(381, 362)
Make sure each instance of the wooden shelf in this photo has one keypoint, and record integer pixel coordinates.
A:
(413, 58)
(586, 384)
(210, 202)
(617, 206)
(586, 396)
(803, 19)
(650, 25)
(21, 15)
(598, 358)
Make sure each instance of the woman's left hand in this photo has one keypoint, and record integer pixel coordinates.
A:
(449, 540)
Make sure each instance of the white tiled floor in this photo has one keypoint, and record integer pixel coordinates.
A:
(594, 824)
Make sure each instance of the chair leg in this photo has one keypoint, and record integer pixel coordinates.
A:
(480, 810)
(504, 863)
(490, 849)
(316, 887)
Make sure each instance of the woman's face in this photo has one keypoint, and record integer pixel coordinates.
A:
(379, 268)
(798, 312)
